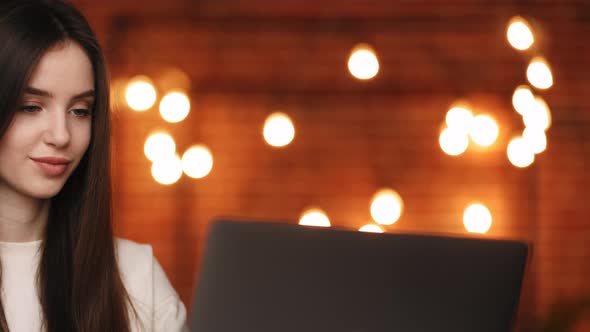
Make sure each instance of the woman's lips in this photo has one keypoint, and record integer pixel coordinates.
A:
(52, 166)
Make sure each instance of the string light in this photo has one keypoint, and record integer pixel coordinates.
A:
(484, 130)
(519, 34)
(523, 99)
(158, 146)
(197, 162)
(167, 171)
(371, 228)
(363, 63)
(175, 106)
(539, 74)
(314, 217)
(140, 93)
(535, 139)
(520, 154)
(278, 130)
(477, 218)
(459, 119)
(386, 207)
(453, 142)
(538, 116)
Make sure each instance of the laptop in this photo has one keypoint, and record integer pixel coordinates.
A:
(278, 277)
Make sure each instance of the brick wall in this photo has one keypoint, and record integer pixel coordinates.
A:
(246, 60)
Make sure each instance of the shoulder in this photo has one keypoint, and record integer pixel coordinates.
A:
(150, 290)
(136, 263)
(133, 257)
(136, 266)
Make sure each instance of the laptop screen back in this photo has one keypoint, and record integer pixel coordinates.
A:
(262, 277)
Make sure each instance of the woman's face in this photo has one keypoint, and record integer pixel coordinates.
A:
(51, 129)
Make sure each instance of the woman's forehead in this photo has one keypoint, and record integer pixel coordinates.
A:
(63, 71)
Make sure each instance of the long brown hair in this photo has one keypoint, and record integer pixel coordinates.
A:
(80, 288)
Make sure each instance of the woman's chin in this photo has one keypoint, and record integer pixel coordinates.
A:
(44, 195)
(45, 192)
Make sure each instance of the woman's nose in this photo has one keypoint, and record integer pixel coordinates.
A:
(57, 132)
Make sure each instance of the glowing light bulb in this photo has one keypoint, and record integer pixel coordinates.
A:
(175, 106)
(197, 162)
(539, 74)
(453, 142)
(158, 146)
(535, 138)
(519, 34)
(477, 218)
(386, 207)
(314, 217)
(484, 130)
(278, 130)
(520, 154)
(140, 93)
(523, 99)
(459, 119)
(538, 116)
(363, 63)
(168, 170)
(371, 228)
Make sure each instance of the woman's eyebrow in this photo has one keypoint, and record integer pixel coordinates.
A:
(86, 94)
(43, 93)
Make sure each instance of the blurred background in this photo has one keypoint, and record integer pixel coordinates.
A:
(463, 117)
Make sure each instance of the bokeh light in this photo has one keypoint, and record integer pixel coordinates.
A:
(459, 119)
(535, 138)
(538, 116)
(159, 146)
(386, 207)
(523, 99)
(477, 218)
(140, 93)
(197, 162)
(175, 106)
(484, 130)
(520, 34)
(314, 217)
(371, 228)
(453, 142)
(278, 130)
(363, 63)
(167, 171)
(539, 74)
(520, 154)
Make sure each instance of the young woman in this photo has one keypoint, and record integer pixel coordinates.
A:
(61, 269)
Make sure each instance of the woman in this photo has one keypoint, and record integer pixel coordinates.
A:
(61, 268)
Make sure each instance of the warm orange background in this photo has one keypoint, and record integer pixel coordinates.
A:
(246, 59)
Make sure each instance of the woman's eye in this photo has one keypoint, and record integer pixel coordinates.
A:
(81, 112)
(30, 109)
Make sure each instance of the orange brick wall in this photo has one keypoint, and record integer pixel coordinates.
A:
(247, 59)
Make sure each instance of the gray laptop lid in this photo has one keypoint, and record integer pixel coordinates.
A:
(264, 277)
